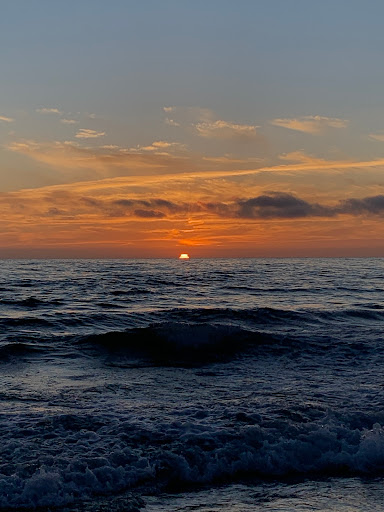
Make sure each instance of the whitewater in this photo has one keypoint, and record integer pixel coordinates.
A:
(213, 385)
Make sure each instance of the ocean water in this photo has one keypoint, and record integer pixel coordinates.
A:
(200, 385)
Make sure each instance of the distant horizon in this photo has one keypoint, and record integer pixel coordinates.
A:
(176, 258)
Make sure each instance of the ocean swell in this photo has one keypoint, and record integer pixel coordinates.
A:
(175, 342)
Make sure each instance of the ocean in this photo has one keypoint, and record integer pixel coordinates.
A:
(210, 385)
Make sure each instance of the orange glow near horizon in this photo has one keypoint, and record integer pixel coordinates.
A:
(184, 256)
(311, 208)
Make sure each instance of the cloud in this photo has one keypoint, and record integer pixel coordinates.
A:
(6, 119)
(377, 136)
(171, 122)
(226, 130)
(373, 205)
(280, 205)
(78, 161)
(228, 159)
(79, 202)
(104, 161)
(159, 146)
(206, 124)
(85, 133)
(310, 124)
(68, 121)
(141, 205)
(188, 115)
(149, 214)
(303, 158)
(270, 205)
(45, 110)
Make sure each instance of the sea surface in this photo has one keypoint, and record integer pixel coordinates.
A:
(218, 385)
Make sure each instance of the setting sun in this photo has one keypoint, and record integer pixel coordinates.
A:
(184, 256)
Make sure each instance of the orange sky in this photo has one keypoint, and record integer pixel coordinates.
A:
(274, 211)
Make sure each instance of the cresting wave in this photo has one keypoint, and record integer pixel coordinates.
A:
(67, 458)
(209, 335)
(198, 335)
(175, 342)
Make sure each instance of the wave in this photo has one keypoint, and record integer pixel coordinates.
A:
(190, 336)
(261, 317)
(30, 302)
(26, 321)
(176, 343)
(82, 455)
(131, 291)
(17, 349)
(269, 316)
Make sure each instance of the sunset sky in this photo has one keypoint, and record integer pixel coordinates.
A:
(147, 128)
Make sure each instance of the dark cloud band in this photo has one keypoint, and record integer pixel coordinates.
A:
(271, 205)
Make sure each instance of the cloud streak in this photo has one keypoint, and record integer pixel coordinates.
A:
(86, 133)
(160, 146)
(6, 119)
(45, 110)
(226, 130)
(314, 125)
(111, 160)
(377, 136)
(68, 121)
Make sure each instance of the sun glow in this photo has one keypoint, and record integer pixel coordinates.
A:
(184, 256)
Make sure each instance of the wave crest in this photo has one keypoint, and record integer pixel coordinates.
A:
(175, 342)
(107, 458)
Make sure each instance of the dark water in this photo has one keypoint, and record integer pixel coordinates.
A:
(210, 385)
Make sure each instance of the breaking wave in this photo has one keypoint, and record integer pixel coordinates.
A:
(80, 456)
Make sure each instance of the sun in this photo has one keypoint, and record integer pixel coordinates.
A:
(184, 256)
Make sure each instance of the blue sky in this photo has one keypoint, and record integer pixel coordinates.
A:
(249, 58)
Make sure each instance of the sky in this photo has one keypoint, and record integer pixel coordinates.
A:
(147, 128)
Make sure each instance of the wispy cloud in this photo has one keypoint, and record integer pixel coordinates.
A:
(45, 110)
(310, 124)
(171, 122)
(304, 158)
(174, 159)
(85, 133)
(102, 161)
(68, 121)
(377, 136)
(226, 130)
(161, 146)
(6, 119)
(205, 123)
(188, 115)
